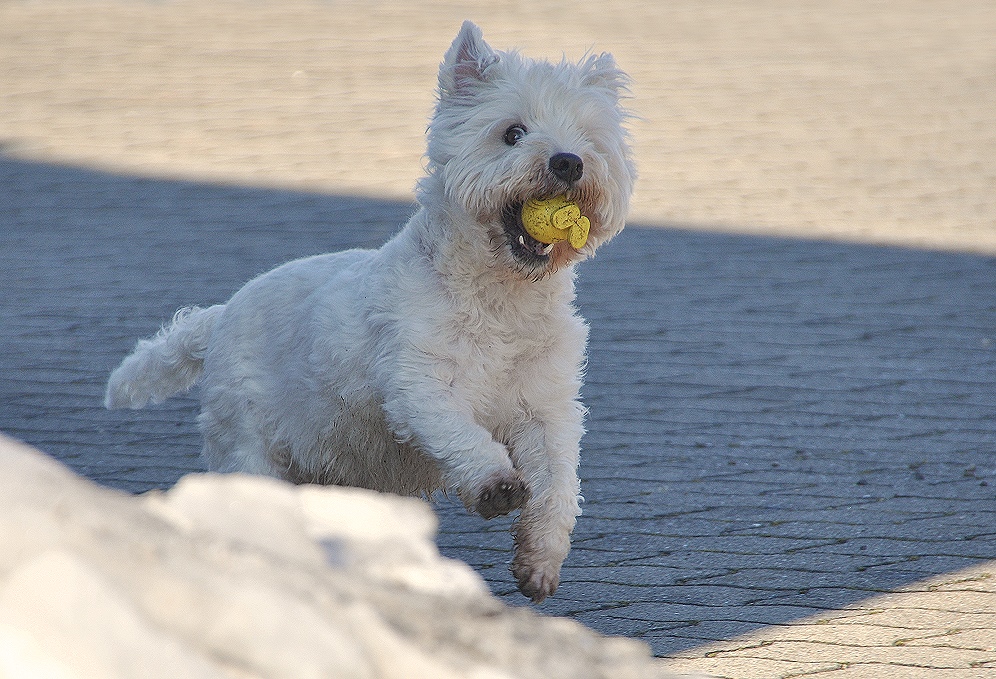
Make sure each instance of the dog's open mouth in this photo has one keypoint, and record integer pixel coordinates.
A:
(524, 247)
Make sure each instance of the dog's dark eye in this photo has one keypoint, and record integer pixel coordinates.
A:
(514, 134)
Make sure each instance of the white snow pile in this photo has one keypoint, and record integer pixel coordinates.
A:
(240, 577)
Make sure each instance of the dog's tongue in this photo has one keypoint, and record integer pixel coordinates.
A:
(542, 249)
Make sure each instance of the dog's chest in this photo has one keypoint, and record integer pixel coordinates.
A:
(497, 355)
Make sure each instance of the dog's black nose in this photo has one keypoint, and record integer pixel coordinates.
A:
(567, 166)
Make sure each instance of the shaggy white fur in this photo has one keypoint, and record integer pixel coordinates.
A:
(452, 356)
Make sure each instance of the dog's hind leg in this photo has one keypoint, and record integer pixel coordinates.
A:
(232, 440)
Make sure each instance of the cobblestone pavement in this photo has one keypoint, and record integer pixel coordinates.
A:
(789, 467)
(779, 429)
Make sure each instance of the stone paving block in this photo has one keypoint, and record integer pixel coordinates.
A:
(753, 668)
(893, 670)
(921, 618)
(845, 653)
(973, 639)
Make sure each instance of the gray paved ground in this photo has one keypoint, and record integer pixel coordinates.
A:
(779, 428)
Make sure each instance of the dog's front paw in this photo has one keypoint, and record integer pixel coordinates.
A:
(536, 580)
(503, 493)
(540, 550)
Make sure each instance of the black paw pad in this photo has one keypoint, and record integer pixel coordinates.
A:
(501, 498)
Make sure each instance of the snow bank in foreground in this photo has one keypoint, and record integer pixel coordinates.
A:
(243, 577)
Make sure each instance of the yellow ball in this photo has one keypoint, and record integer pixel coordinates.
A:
(556, 219)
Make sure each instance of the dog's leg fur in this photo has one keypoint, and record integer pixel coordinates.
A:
(546, 449)
(548, 457)
(472, 461)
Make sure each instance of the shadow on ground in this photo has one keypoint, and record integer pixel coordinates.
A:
(778, 427)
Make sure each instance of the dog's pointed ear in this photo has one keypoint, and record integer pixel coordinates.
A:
(465, 63)
(601, 71)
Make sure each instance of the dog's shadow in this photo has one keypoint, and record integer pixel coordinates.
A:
(777, 427)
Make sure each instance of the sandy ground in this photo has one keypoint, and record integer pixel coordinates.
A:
(835, 119)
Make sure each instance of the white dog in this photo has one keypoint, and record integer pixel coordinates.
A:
(452, 356)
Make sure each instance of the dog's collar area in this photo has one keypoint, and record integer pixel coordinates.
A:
(524, 247)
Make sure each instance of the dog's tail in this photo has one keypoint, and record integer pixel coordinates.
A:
(166, 364)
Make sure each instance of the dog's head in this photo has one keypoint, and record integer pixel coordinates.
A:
(507, 129)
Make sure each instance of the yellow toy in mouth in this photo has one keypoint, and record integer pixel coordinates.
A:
(556, 219)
